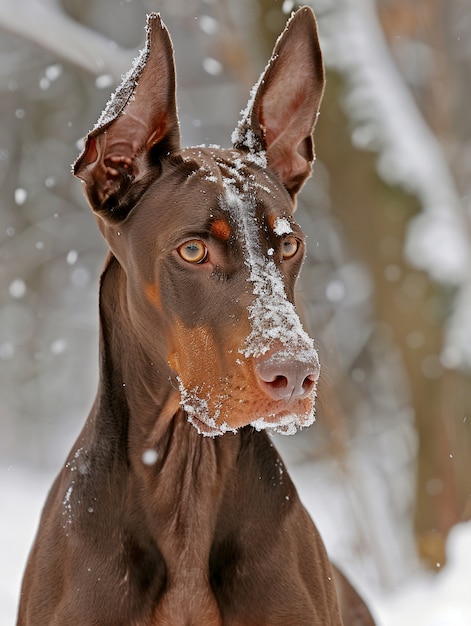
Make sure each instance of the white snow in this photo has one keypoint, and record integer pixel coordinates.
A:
(273, 317)
(211, 66)
(67, 512)
(422, 600)
(150, 456)
(287, 424)
(197, 410)
(72, 257)
(21, 196)
(53, 72)
(243, 135)
(127, 88)
(435, 600)
(457, 349)
(208, 24)
(282, 226)
(125, 91)
(17, 288)
(22, 496)
(104, 81)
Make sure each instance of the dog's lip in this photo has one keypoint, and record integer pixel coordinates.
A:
(284, 414)
(293, 406)
(287, 420)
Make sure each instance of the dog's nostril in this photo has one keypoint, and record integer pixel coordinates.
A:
(309, 382)
(279, 382)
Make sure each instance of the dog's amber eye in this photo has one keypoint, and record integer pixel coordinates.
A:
(289, 247)
(193, 251)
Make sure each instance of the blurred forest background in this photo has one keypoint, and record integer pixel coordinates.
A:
(386, 287)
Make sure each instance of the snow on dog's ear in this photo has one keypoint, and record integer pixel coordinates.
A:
(138, 127)
(284, 104)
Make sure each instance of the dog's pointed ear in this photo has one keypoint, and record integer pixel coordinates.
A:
(284, 104)
(138, 127)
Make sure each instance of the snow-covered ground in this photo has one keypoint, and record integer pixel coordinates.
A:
(426, 600)
(422, 598)
(22, 495)
(441, 600)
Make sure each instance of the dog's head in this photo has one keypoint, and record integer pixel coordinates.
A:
(207, 237)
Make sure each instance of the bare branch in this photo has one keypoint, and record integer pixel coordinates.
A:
(44, 23)
(389, 122)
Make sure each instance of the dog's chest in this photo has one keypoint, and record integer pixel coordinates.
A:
(188, 601)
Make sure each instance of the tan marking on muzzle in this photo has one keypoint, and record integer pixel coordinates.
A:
(219, 387)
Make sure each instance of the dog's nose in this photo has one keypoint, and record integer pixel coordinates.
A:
(287, 379)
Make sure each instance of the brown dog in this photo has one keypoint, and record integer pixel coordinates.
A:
(156, 518)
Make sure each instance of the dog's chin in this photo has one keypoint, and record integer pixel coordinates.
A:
(288, 420)
(285, 423)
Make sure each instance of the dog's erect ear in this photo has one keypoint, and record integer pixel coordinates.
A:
(138, 127)
(284, 104)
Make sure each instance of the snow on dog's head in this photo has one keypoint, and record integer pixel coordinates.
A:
(235, 394)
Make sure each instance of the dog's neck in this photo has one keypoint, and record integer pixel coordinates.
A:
(175, 477)
(137, 393)
(136, 386)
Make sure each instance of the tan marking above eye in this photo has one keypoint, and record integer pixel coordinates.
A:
(221, 229)
(289, 247)
(193, 251)
(271, 221)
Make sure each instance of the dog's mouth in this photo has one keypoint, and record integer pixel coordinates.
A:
(286, 421)
(214, 414)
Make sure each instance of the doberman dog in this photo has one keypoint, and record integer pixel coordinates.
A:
(174, 508)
